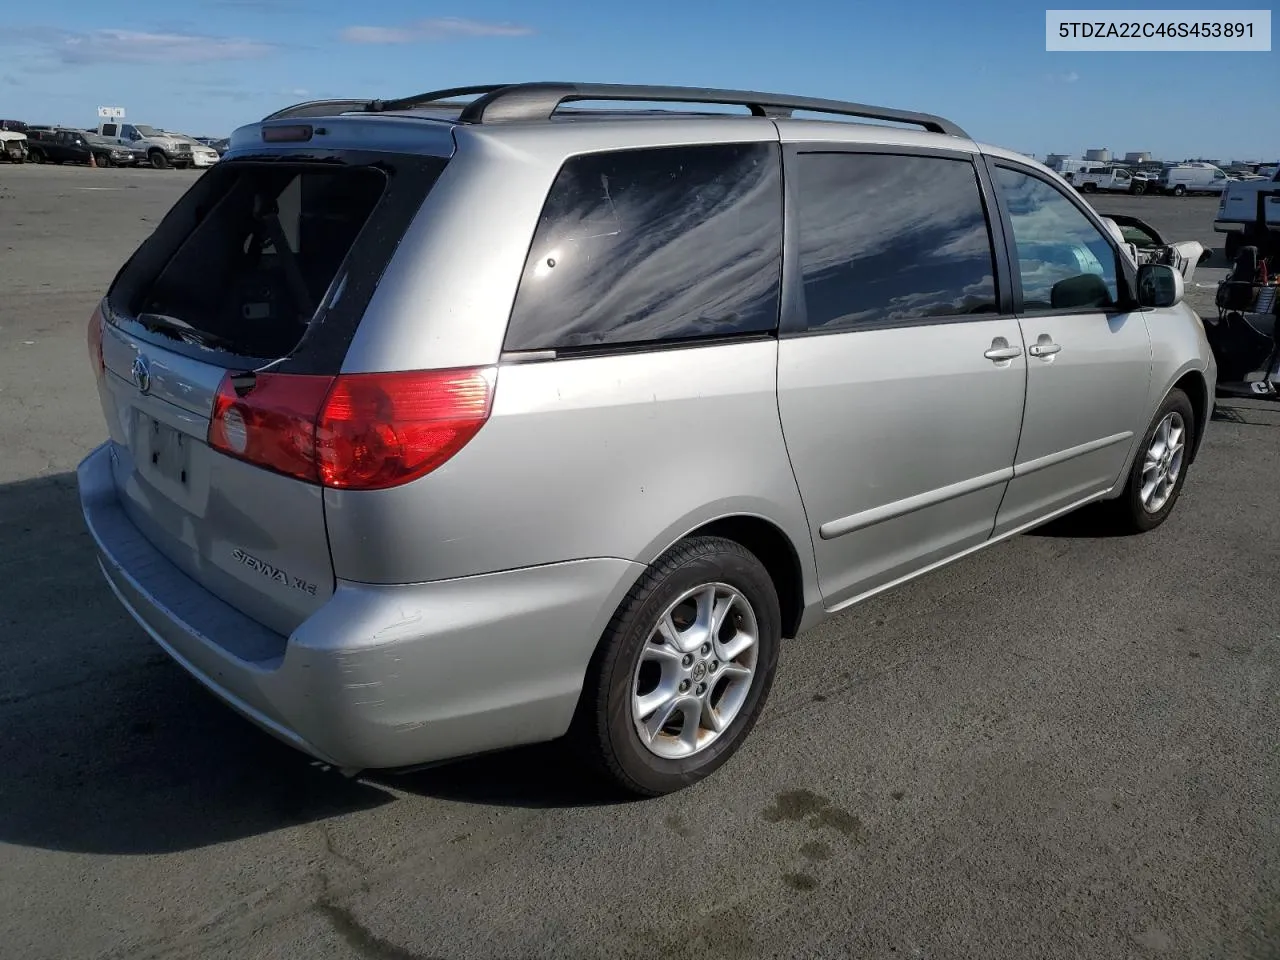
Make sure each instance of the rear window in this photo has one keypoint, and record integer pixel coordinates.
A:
(258, 250)
(252, 272)
(654, 245)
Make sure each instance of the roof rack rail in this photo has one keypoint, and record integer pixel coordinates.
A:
(327, 108)
(318, 108)
(505, 103)
(538, 101)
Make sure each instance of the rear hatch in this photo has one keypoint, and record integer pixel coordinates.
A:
(251, 286)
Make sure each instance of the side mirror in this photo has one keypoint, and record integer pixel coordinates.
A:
(1160, 285)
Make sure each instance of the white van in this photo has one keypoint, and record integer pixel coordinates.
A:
(1193, 178)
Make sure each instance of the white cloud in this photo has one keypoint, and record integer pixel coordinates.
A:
(1071, 77)
(438, 28)
(134, 46)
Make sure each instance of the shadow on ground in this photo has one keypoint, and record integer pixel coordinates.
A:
(109, 747)
(1247, 412)
(1092, 522)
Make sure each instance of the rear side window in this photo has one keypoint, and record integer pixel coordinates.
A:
(655, 245)
(887, 239)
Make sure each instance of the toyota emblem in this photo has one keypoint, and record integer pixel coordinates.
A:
(141, 374)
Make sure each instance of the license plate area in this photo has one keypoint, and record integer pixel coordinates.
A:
(163, 454)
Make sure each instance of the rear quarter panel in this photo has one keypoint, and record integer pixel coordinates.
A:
(614, 456)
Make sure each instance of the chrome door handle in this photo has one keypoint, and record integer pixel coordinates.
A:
(1047, 349)
(1006, 352)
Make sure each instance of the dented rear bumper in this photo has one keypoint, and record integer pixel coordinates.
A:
(381, 676)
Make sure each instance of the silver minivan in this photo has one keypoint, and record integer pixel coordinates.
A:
(483, 418)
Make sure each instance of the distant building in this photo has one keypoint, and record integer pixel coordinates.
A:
(1102, 155)
(1055, 161)
(1137, 156)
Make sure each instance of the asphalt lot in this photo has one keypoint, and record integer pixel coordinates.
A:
(1066, 746)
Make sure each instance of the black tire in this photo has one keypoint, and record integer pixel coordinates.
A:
(103, 160)
(157, 159)
(604, 731)
(1129, 513)
(1089, 187)
(1179, 191)
(1139, 189)
(35, 156)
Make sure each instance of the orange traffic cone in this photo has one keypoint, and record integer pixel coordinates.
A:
(93, 161)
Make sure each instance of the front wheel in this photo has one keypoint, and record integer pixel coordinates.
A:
(158, 160)
(683, 669)
(1179, 191)
(1160, 468)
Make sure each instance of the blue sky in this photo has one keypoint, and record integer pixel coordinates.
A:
(206, 66)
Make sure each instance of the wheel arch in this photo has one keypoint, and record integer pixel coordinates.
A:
(1191, 380)
(1193, 384)
(790, 564)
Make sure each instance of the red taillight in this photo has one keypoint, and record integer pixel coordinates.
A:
(273, 424)
(95, 344)
(379, 430)
(364, 431)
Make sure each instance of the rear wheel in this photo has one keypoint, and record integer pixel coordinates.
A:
(683, 669)
(1159, 469)
(1179, 191)
(36, 156)
(1139, 189)
(1089, 187)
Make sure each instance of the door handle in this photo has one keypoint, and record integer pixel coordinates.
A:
(1000, 350)
(1044, 349)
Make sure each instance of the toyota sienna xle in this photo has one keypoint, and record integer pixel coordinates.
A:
(439, 426)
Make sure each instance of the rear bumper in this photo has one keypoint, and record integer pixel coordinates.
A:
(381, 676)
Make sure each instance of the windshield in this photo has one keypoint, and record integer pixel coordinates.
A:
(145, 131)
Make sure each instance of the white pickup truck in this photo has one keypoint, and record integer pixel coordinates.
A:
(163, 149)
(1111, 180)
(1238, 213)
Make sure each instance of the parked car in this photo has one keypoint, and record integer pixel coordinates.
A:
(13, 141)
(162, 149)
(1144, 244)
(455, 427)
(110, 153)
(57, 145)
(219, 145)
(1193, 178)
(1237, 215)
(1111, 180)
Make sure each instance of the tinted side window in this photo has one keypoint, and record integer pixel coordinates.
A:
(890, 238)
(651, 245)
(1064, 260)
